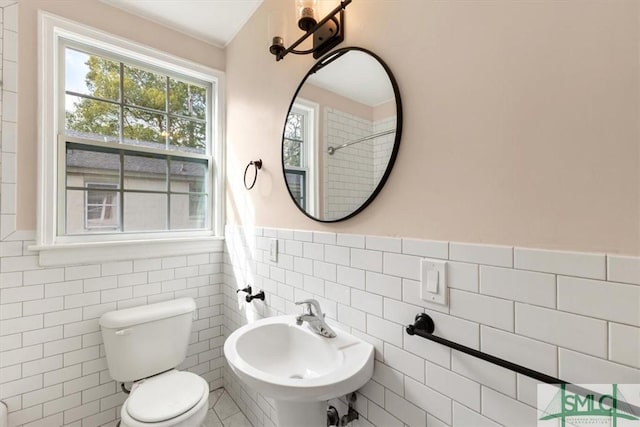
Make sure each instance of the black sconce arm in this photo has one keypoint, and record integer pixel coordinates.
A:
(324, 43)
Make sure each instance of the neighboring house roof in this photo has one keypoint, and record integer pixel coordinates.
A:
(110, 161)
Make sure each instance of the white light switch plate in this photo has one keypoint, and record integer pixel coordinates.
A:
(433, 281)
(273, 250)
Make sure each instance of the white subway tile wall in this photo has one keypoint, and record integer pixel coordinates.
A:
(53, 370)
(383, 146)
(541, 316)
(8, 119)
(623, 269)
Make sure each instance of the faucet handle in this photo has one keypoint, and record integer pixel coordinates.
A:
(312, 303)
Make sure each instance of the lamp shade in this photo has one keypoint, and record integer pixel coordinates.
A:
(276, 31)
(306, 14)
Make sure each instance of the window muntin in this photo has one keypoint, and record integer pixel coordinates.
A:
(126, 191)
(147, 119)
(112, 100)
(296, 181)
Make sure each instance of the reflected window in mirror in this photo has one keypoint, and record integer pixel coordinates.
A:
(299, 153)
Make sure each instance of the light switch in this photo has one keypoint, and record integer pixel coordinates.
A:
(433, 286)
(432, 281)
(273, 250)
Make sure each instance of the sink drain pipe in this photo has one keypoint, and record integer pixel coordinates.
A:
(4, 415)
(333, 418)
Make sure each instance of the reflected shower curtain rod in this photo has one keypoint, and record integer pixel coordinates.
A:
(332, 150)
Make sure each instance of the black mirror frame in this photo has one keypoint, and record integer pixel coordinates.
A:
(330, 57)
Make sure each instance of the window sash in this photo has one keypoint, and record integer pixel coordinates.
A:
(115, 54)
(120, 189)
(302, 196)
(124, 106)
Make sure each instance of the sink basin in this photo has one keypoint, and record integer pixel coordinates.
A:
(292, 365)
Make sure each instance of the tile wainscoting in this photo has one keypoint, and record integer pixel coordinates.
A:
(53, 371)
(575, 316)
(555, 312)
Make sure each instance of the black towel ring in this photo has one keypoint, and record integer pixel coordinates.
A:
(257, 164)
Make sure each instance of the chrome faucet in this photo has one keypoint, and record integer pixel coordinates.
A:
(316, 321)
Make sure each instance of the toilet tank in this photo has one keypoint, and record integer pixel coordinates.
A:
(146, 340)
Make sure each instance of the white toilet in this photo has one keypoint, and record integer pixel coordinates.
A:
(143, 345)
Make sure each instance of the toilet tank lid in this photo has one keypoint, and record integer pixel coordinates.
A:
(147, 313)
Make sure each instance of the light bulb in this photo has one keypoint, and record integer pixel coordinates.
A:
(276, 31)
(305, 12)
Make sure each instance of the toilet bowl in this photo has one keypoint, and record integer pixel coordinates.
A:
(171, 399)
(143, 345)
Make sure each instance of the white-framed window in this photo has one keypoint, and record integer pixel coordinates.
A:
(130, 144)
(299, 154)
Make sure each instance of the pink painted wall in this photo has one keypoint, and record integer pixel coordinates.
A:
(521, 122)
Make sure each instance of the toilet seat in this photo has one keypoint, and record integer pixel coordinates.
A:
(157, 399)
(174, 398)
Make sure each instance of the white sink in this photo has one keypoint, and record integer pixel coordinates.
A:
(298, 368)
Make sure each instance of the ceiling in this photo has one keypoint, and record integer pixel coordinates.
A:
(358, 76)
(214, 21)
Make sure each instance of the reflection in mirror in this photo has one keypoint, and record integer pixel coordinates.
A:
(341, 135)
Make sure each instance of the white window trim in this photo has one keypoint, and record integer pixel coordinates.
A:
(54, 249)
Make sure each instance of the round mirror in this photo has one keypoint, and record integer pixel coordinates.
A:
(341, 135)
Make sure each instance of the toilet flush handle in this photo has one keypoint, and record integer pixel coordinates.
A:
(123, 332)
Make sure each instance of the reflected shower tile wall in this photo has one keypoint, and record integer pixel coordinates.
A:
(373, 295)
(382, 147)
(349, 178)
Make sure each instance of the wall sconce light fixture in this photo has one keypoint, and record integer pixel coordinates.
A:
(327, 33)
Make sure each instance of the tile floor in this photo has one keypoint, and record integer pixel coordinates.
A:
(224, 412)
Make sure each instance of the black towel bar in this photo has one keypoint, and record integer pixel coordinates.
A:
(424, 327)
